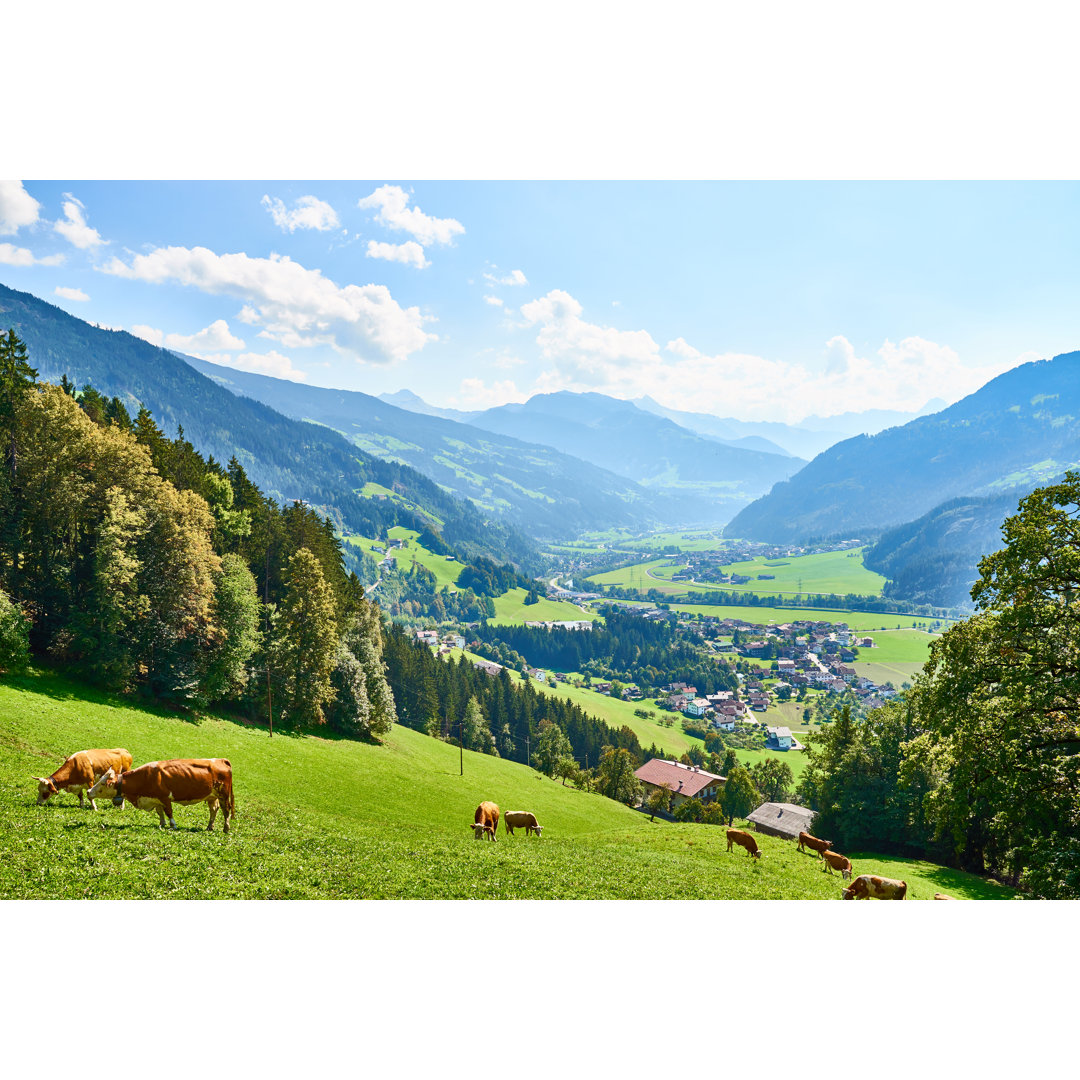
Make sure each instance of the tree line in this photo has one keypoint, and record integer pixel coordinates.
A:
(434, 695)
(144, 567)
(626, 647)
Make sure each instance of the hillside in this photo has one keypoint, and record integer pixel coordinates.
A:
(711, 479)
(935, 559)
(287, 458)
(542, 491)
(1021, 428)
(337, 819)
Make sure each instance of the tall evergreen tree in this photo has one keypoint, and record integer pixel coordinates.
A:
(306, 645)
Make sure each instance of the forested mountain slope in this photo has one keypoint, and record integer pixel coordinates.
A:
(935, 559)
(287, 458)
(1022, 428)
(541, 490)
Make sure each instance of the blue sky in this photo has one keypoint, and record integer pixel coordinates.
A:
(756, 300)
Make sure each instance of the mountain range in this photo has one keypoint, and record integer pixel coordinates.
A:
(711, 478)
(287, 458)
(1020, 429)
(544, 491)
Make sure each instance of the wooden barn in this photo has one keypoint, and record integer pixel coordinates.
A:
(782, 819)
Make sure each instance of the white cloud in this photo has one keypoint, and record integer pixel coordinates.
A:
(148, 333)
(494, 301)
(394, 212)
(307, 213)
(586, 353)
(10, 255)
(515, 277)
(294, 305)
(410, 253)
(629, 363)
(74, 229)
(17, 207)
(70, 294)
(476, 394)
(214, 338)
(271, 363)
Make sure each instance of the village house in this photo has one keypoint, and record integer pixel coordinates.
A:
(698, 707)
(685, 781)
(778, 738)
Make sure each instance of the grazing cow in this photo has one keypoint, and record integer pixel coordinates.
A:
(835, 861)
(812, 842)
(943, 896)
(485, 821)
(80, 772)
(872, 887)
(743, 839)
(521, 819)
(184, 781)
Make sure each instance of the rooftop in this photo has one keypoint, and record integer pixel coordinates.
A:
(685, 780)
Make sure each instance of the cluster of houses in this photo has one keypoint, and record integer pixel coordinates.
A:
(562, 624)
(444, 642)
(785, 820)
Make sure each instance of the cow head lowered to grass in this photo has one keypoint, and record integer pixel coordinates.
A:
(485, 821)
(79, 774)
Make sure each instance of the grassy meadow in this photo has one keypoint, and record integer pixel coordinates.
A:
(326, 818)
(511, 608)
(839, 572)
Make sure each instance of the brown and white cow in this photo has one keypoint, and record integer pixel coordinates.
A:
(159, 785)
(943, 896)
(872, 887)
(812, 842)
(521, 819)
(835, 861)
(80, 772)
(485, 821)
(743, 839)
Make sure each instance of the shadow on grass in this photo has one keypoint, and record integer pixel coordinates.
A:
(945, 879)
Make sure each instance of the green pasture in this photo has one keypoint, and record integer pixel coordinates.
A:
(898, 672)
(324, 818)
(686, 539)
(840, 572)
(908, 646)
(794, 759)
(511, 608)
(858, 620)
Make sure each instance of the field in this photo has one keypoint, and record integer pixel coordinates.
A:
(511, 608)
(907, 646)
(323, 818)
(857, 620)
(838, 572)
(446, 573)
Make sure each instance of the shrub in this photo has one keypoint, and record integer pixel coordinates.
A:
(14, 636)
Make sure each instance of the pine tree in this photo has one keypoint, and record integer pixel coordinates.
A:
(306, 646)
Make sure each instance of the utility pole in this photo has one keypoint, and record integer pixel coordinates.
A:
(528, 752)
(266, 605)
(461, 750)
